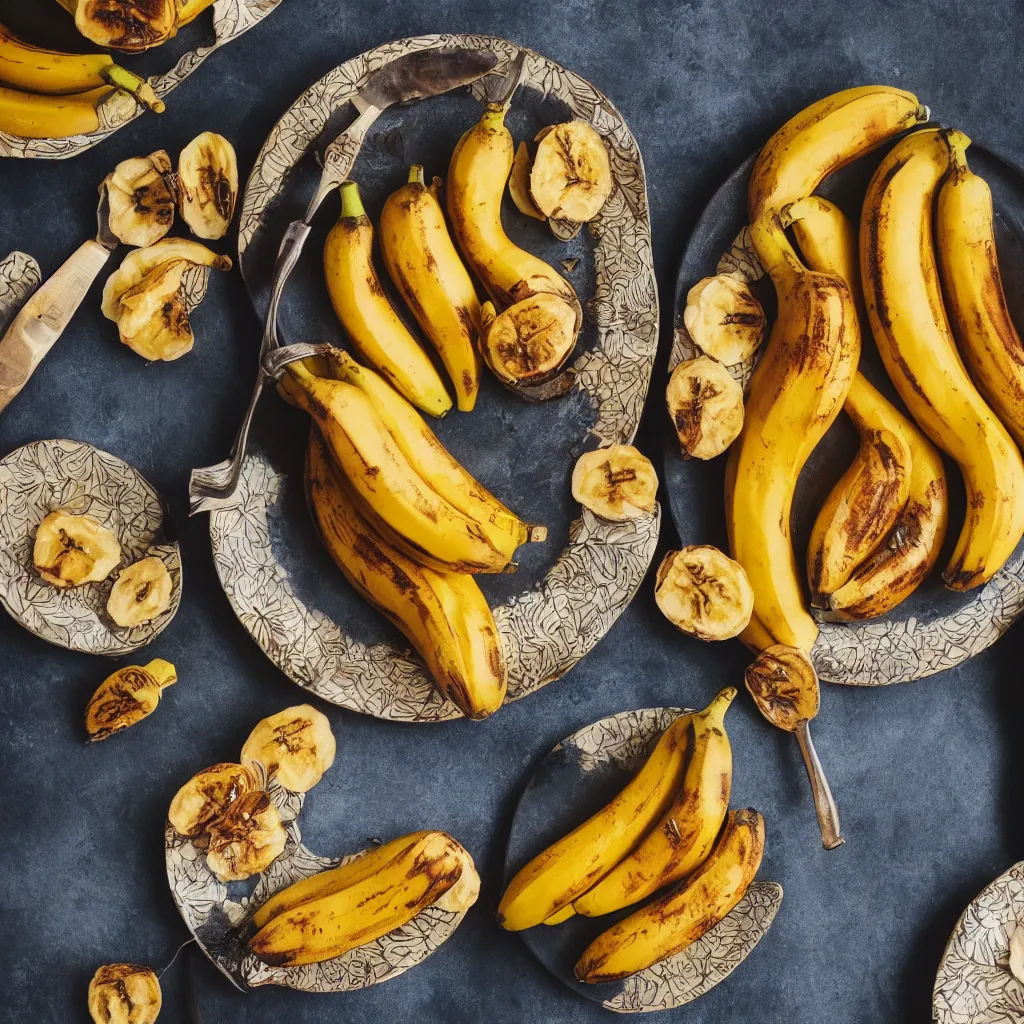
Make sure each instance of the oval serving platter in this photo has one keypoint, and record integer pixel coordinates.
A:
(934, 629)
(578, 777)
(568, 591)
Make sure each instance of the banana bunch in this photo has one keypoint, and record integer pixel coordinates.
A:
(328, 914)
(46, 94)
(132, 25)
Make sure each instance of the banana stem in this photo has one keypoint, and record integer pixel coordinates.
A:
(416, 175)
(824, 804)
(351, 203)
(69, 5)
(122, 79)
(957, 143)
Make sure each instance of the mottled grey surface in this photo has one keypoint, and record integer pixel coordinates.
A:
(925, 774)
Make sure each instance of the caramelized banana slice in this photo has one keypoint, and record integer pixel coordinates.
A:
(127, 25)
(724, 319)
(706, 406)
(519, 184)
(571, 178)
(296, 746)
(704, 593)
(154, 318)
(207, 795)
(530, 341)
(141, 204)
(124, 994)
(246, 839)
(127, 697)
(616, 483)
(208, 185)
(141, 593)
(784, 686)
(71, 550)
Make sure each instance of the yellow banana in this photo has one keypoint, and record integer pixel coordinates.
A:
(569, 867)
(973, 287)
(904, 303)
(796, 392)
(684, 836)
(421, 260)
(672, 922)
(367, 314)
(37, 116)
(189, 10)
(444, 615)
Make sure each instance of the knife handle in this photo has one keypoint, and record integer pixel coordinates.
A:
(340, 157)
(43, 318)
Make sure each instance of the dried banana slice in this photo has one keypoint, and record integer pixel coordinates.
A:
(530, 341)
(141, 203)
(784, 686)
(124, 994)
(246, 839)
(141, 593)
(616, 483)
(208, 185)
(127, 25)
(724, 319)
(127, 697)
(207, 795)
(296, 746)
(71, 550)
(706, 406)
(703, 592)
(519, 184)
(571, 178)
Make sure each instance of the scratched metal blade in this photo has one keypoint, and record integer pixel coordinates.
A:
(425, 73)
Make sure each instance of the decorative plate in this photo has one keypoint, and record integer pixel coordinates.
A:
(974, 984)
(231, 18)
(47, 475)
(578, 777)
(567, 592)
(19, 278)
(215, 914)
(935, 628)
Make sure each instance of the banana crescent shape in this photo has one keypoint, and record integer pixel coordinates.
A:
(911, 329)
(40, 116)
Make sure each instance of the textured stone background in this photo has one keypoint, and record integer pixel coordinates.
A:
(925, 775)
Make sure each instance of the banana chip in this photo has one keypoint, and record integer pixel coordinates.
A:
(519, 184)
(784, 686)
(724, 319)
(208, 185)
(616, 483)
(704, 593)
(530, 341)
(141, 593)
(71, 550)
(296, 746)
(571, 178)
(706, 406)
(124, 994)
(246, 839)
(206, 797)
(141, 203)
(127, 697)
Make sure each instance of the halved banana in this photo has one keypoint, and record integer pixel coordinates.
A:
(246, 839)
(208, 185)
(296, 746)
(127, 25)
(724, 319)
(616, 483)
(124, 994)
(141, 203)
(207, 795)
(784, 685)
(127, 697)
(141, 593)
(706, 406)
(703, 592)
(530, 341)
(519, 184)
(571, 178)
(71, 550)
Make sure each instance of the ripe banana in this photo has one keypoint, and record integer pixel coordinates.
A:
(39, 116)
(904, 303)
(421, 259)
(444, 615)
(973, 287)
(568, 868)
(796, 392)
(672, 922)
(368, 316)
(684, 836)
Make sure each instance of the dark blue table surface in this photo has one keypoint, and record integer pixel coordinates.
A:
(926, 775)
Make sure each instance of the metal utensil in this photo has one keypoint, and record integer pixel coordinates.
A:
(785, 688)
(47, 313)
(412, 77)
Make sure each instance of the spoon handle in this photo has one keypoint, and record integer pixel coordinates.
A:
(824, 804)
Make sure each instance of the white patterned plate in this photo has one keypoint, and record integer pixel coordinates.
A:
(580, 775)
(19, 278)
(231, 18)
(46, 475)
(560, 604)
(974, 984)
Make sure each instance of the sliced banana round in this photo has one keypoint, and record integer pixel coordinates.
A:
(784, 686)
(246, 839)
(71, 550)
(124, 994)
(703, 592)
(706, 406)
(724, 319)
(571, 178)
(127, 25)
(530, 341)
(208, 185)
(141, 592)
(616, 483)
(295, 746)
(207, 795)
(127, 697)
(141, 202)
(519, 184)
(154, 315)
